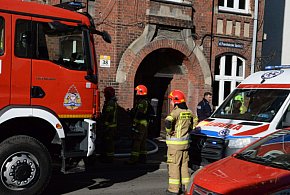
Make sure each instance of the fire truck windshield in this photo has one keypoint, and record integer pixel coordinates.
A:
(64, 47)
(62, 44)
(252, 104)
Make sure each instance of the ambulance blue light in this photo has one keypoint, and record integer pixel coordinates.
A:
(77, 5)
(277, 67)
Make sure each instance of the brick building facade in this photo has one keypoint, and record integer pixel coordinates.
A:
(194, 46)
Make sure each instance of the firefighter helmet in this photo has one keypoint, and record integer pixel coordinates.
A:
(109, 92)
(141, 90)
(177, 96)
(239, 97)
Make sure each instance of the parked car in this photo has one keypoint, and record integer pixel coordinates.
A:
(260, 168)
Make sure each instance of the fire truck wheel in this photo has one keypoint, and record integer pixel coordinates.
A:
(25, 166)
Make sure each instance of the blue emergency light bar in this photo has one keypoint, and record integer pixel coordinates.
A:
(73, 5)
(277, 67)
(77, 5)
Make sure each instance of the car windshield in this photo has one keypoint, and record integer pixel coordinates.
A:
(252, 104)
(273, 151)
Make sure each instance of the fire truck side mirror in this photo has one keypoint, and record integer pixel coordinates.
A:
(105, 35)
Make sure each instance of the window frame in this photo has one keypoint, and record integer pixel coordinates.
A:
(27, 50)
(233, 78)
(236, 8)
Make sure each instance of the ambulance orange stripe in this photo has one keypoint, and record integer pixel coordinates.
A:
(254, 131)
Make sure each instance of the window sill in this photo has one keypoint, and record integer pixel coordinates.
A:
(233, 11)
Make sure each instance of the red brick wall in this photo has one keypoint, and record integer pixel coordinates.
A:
(126, 20)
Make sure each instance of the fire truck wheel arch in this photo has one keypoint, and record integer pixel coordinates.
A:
(33, 112)
(25, 166)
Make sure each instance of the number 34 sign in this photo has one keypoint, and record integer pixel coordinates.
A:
(105, 61)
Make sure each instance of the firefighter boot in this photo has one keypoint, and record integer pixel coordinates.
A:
(171, 193)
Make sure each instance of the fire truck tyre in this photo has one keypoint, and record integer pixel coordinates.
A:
(25, 166)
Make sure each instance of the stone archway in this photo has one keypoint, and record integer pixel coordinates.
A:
(136, 66)
(149, 42)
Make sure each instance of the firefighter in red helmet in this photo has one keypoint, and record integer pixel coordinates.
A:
(178, 124)
(109, 120)
(140, 126)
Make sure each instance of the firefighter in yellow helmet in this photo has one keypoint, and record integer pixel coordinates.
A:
(140, 126)
(178, 124)
(240, 104)
(109, 120)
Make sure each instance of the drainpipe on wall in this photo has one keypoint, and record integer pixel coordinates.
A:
(211, 40)
(254, 41)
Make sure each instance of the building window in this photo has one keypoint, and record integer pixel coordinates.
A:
(235, 6)
(229, 72)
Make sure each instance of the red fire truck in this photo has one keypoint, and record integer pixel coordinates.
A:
(49, 100)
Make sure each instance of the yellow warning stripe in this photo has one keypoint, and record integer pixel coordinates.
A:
(75, 115)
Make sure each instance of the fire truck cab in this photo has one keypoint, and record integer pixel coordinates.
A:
(49, 98)
(258, 106)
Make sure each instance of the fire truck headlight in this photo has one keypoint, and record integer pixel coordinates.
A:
(240, 142)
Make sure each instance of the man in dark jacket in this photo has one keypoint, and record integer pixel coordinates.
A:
(204, 109)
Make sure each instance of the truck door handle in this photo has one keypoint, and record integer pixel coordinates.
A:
(37, 92)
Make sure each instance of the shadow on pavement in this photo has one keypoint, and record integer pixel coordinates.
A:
(103, 175)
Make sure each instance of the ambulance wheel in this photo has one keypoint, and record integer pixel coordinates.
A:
(25, 166)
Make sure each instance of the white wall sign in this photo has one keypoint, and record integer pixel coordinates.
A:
(105, 61)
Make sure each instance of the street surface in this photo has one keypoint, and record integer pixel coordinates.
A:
(115, 178)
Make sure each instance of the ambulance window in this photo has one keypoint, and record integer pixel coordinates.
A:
(285, 119)
(23, 39)
(1, 36)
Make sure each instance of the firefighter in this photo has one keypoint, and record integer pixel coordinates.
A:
(109, 120)
(178, 124)
(140, 126)
(240, 104)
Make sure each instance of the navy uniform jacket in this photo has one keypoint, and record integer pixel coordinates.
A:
(203, 110)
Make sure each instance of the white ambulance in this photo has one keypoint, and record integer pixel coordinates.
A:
(257, 107)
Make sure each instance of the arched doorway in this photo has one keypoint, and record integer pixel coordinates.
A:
(156, 71)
